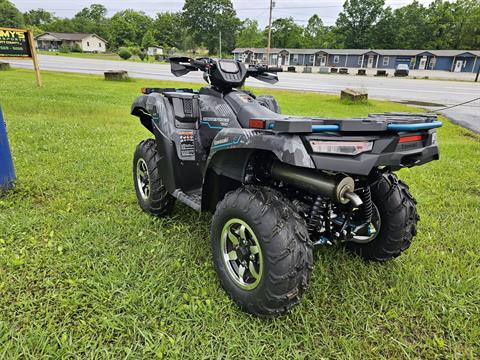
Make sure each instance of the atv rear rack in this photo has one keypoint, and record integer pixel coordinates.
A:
(394, 122)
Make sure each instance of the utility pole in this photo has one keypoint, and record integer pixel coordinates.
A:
(220, 23)
(220, 44)
(272, 4)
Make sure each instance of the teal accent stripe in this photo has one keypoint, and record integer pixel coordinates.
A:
(210, 126)
(231, 143)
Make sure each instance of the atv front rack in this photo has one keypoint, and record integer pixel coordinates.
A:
(394, 122)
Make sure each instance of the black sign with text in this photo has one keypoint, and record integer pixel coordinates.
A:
(14, 43)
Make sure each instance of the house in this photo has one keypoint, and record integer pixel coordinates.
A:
(446, 60)
(154, 51)
(53, 41)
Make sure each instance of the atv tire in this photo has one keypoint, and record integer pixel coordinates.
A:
(398, 217)
(285, 250)
(152, 196)
(269, 102)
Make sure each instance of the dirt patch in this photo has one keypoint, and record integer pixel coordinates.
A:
(421, 103)
(471, 136)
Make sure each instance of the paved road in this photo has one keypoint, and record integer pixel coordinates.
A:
(443, 93)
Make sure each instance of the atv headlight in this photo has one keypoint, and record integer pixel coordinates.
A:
(341, 147)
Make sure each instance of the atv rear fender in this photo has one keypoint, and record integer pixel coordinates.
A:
(288, 148)
(230, 154)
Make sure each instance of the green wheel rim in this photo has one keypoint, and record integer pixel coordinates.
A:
(241, 254)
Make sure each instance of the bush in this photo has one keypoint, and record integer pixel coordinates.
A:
(142, 55)
(76, 48)
(64, 48)
(125, 54)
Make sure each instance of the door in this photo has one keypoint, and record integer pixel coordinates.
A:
(423, 63)
(370, 62)
(458, 66)
(323, 60)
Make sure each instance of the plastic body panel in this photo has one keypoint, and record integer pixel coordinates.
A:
(387, 151)
(245, 107)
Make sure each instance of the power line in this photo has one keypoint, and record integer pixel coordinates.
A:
(453, 106)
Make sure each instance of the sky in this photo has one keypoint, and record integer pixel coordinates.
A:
(300, 10)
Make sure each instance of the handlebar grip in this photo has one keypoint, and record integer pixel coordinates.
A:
(275, 69)
(199, 62)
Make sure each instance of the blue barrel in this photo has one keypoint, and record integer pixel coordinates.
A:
(7, 172)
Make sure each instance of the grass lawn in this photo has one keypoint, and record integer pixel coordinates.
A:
(85, 274)
(99, 56)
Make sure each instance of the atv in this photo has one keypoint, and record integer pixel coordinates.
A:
(278, 185)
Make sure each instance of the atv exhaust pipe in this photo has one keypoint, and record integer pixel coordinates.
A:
(339, 187)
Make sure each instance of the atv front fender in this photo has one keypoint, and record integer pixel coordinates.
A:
(139, 109)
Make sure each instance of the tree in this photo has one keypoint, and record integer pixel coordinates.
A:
(148, 40)
(127, 28)
(205, 19)
(315, 33)
(10, 16)
(440, 25)
(38, 17)
(411, 19)
(168, 30)
(287, 34)
(96, 13)
(249, 35)
(60, 25)
(357, 20)
(384, 33)
(467, 19)
(91, 20)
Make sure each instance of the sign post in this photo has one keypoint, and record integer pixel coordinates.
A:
(7, 172)
(18, 44)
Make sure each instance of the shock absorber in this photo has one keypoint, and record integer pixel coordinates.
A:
(317, 216)
(366, 209)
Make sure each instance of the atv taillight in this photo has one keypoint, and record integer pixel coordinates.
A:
(341, 147)
(256, 124)
(405, 139)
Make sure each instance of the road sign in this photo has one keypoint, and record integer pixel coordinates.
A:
(7, 172)
(19, 44)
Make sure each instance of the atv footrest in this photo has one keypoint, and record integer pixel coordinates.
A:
(192, 199)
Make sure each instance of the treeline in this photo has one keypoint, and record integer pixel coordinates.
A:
(361, 24)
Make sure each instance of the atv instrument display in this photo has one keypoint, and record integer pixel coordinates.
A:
(278, 185)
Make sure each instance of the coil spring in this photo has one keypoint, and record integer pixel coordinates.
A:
(317, 214)
(366, 210)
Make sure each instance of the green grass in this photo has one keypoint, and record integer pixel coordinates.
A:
(85, 274)
(99, 56)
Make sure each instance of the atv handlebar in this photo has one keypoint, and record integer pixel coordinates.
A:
(261, 69)
(275, 69)
(183, 65)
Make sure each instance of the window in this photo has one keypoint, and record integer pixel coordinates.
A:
(360, 62)
(88, 44)
(99, 45)
(336, 59)
(312, 58)
(386, 60)
(294, 60)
